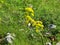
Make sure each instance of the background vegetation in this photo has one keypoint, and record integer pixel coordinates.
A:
(12, 18)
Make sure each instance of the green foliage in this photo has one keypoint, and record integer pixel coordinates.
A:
(12, 18)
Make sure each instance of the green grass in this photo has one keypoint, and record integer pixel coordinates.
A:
(12, 17)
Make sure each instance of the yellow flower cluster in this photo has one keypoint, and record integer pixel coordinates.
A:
(29, 9)
(29, 20)
(37, 24)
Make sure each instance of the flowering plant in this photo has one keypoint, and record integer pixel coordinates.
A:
(37, 24)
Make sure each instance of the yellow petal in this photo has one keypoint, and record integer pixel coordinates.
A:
(29, 9)
(32, 14)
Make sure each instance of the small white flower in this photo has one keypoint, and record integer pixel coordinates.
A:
(48, 43)
(29, 24)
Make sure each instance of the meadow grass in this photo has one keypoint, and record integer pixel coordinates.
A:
(12, 18)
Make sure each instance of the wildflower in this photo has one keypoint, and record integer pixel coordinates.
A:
(33, 22)
(29, 24)
(48, 43)
(32, 14)
(29, 20)
(42, 27)
(28, 17)
(29, 9)
(39, 25)
(39, 22)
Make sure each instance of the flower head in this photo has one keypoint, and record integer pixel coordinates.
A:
(32, 14)
(39, 22)
(29, 9)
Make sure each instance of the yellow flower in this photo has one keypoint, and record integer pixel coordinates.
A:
(28, 18)
(33, 22)
(29, 9)
(39, 25)
(39, 22)
(32, 14)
